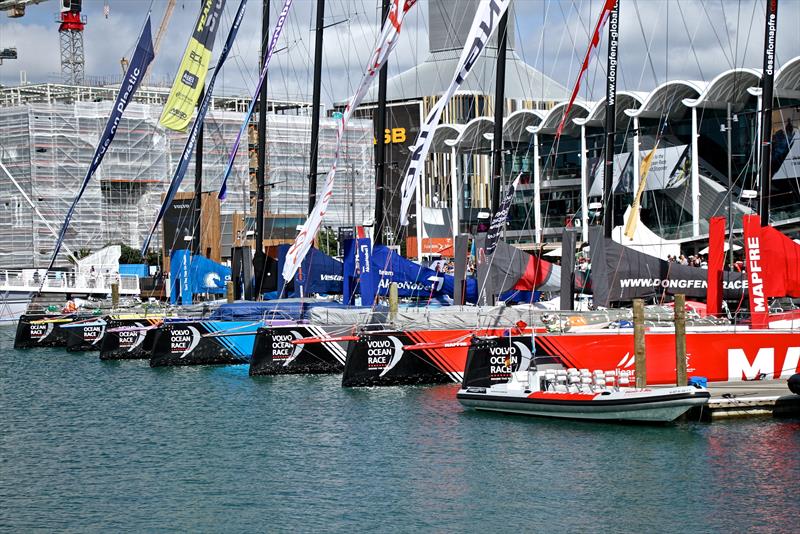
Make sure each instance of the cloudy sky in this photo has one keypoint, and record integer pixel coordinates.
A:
(660, 40)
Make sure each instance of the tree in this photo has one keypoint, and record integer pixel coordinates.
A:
(328, 242)
(129, 255)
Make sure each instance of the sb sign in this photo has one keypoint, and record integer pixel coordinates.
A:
(392, 135)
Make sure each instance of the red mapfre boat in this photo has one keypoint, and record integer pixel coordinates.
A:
(717, 353)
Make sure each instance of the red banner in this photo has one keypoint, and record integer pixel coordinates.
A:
(716, 261)
(601, 21)
(759, 307)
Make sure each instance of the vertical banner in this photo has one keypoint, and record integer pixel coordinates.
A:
(188, 149)
(633, 218)
(716, 261)
(500, 218)
(141, 59)
(349, 271)
(191, 75)
(486, 20)
(568, 241)
(223, 190)
(600, 274)
(759, 307)
(368, 278)
(390, 33)
(180, 279)
(460, 252)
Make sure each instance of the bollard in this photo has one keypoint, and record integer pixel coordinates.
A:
(115, 294)
(638, 343)
(680, 340)
(229, 291)
(393, 300)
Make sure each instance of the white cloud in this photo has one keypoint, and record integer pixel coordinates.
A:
(688, 39)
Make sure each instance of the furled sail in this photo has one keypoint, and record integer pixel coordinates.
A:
(191, 75)
(223, 190)
(130, 83)
(608, 7)
(188, 149)
(390, 33)
(487, 18)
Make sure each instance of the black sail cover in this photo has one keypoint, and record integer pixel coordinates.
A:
(619, 273)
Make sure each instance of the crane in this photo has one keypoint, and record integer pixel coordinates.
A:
(162, 28)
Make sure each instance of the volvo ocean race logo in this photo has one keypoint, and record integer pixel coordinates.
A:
(39, 331)
(383, 354)
(282, 348)
(183, 340)
(130, 339)
(93, 333)
(504, 360)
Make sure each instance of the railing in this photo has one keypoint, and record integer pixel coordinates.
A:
(60, 282)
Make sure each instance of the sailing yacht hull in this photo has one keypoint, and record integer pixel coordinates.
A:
(389, 358)
(35, 330)
(85, 336)
(129, 339)
(717, 353)
(201, 343)
(275, 354)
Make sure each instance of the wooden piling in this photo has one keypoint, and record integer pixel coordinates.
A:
(115, 294)
(638, 343)
(229, 291)
(393, 300)
(680, 340)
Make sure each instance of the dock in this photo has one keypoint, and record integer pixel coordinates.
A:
(756, 398)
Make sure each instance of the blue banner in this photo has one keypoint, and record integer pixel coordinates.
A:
(319, 273)
(350, 279)
(188, 150)
(368, 275)
(180, 279)
(414, 280)
(208, 276)
(133, 76)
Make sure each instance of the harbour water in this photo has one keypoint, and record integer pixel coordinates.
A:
(116, 446)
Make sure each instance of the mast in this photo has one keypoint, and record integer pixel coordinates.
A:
(312, 167)
(259, 258)
(198, 182)
(611, 121)
(380, 146)
(499, 102)
(767, 79)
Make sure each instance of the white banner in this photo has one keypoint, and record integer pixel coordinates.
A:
(486, 20)
(390, 32)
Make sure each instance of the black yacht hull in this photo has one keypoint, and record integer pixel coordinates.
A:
(275, 354)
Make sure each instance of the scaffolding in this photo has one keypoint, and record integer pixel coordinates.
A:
(47, 147)
(288, 149)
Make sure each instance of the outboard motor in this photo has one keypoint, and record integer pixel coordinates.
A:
(794, 384)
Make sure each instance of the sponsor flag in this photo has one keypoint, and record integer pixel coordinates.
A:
(130, 83)
(188, 149)
(754, 267)
(191, 75)
(223, 190)
(716, 263)
(486, 20)
(608, 7)
(500, 218)
(633, 218)
(390, 33)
